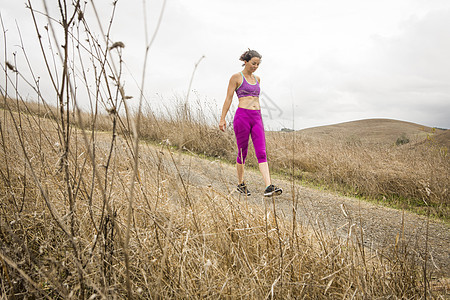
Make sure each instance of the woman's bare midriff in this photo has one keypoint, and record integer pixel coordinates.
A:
(249, 103)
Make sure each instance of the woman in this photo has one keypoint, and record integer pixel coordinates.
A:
(247, 121)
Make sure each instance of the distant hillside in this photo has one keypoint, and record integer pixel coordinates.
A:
(379, 131)
(443, 138)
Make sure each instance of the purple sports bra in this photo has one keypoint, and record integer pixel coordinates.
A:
(246, 89)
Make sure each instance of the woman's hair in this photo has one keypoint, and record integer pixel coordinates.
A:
(248, 55)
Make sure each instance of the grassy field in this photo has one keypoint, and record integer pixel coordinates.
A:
(361, 158)
(368, 158)
(89, 211)
(66, 231)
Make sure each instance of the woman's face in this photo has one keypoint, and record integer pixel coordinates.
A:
(253, 64)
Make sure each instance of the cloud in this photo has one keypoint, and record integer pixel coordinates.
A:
(404, 76)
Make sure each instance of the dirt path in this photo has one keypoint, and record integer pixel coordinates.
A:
(336, 214)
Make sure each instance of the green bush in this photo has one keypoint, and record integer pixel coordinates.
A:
(403, 139)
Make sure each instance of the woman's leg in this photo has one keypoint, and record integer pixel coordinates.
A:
(242, 127)
(259, 142)
(264, 168)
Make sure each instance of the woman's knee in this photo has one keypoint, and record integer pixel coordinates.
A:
(242, 155)
(261, 156)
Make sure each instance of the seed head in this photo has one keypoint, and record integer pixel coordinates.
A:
(11, 67)
(117, 45)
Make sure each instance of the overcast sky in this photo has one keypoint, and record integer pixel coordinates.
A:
(323, 62)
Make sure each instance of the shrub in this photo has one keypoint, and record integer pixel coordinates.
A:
(403, 139)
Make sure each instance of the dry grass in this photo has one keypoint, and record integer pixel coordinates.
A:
(188, 128)
(372, 132)
(185, 242)
(413, 176)
(90, 121)
(86, 214)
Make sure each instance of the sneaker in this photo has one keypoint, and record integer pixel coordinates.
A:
(242, 188)
(272, 190)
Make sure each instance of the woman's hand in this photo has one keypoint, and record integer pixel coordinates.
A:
(222, 125)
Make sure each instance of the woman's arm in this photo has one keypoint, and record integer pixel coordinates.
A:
(226, 105)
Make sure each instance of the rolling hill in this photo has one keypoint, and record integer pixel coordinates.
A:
(378, 131)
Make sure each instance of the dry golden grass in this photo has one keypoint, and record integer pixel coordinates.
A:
(442, 139)
(185, 242)
(189, 129)
(409, 175)
(358, 158)
(88, 212)
(103, 121)
(371, 132)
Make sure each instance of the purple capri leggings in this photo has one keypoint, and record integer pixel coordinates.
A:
(249, 122)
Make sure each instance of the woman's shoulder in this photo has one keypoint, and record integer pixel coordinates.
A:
(236, 75)
(236, 78)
